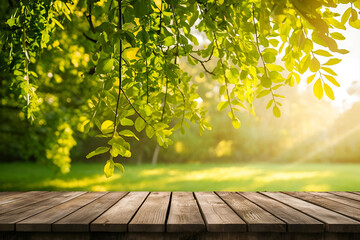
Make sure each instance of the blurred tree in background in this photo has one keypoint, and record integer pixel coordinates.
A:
(113, 68)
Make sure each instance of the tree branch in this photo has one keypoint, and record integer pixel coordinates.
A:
(89, 38)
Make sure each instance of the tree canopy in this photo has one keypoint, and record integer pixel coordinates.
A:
(106, 66)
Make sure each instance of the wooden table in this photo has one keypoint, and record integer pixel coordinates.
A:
(179, 215)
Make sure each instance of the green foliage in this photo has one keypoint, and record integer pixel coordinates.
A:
(132, 75)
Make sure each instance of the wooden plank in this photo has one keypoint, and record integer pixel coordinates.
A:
(29, 200)
(42, 222)
(79, 221)
(329, 204)
(151, 216)
(184, 214)
(334, 222)
(350, 195)
(356, 193)
(6, 194)
(116, 218)
(340, 199)
(18, 197)
(257, 219)
(218, 216)
(8, 220)
(296, 221)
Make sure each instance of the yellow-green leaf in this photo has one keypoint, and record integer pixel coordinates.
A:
(128, 133)
(109, 168)
(329, 70)
(346, 15)
(314, 65)
(276, 111)
(107, 127)
(329, 92)
(120, 167)
(332, 80)
(126, 122)
(318, 89)
(337, 36)
(236, 123)
(309, 79)
(323, 53)
(333, 61)
(99, 150)
(222, 105)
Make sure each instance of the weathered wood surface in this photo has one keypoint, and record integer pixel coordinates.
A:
(164, 215)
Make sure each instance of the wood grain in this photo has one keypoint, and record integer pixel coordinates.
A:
(42, 222)
(335, 222)
(79, 221)
(184, 214)
(8, 220)
(27, 198)
(116, 218)
(329, 204)
(218, 216)
(350, 195)
(257, 219)
(296, 221)
(340, 199)
(152, 214)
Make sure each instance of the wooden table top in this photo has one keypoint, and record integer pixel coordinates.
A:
(305, 212)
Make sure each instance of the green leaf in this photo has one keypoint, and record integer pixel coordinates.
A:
(99, 150)
(126, 122)
(128, 133)
(109, 168)
(323, 53)
(314, 65)
(11, 22)
(120, 167)
(332, 80)
(276, 111)
(168, 41)
(107, 127)
(333, 61)
(149, 131)
(270, 103)
(139, 124)
(222, 105)
(105, 65)
(57, 23)
(274, 67)
(318, 89)
(263, 93)
(329, 92)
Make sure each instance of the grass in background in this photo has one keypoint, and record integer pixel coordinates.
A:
(184, 177)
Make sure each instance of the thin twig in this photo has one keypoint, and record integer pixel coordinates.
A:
(202, 64)
(89, 38)
(120, 69)
(88, 17)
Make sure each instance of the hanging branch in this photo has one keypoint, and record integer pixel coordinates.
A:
(226, 80)
(161, 9)
(26, 62)
(260, 53)
(88, 17)
(120, 69)
(89, 38)
(177, 54)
